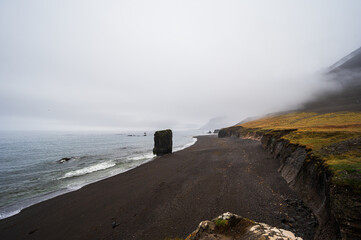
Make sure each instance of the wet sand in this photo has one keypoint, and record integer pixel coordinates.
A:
(169, 196)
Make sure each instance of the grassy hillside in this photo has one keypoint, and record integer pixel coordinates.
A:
(333, 137)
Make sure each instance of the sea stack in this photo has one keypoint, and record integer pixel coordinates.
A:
(163, 142)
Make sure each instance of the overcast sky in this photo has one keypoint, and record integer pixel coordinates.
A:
(141, 64)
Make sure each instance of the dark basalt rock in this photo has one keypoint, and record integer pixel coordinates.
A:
(63, 160)
(163, 142)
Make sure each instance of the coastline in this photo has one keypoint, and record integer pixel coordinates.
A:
(17, 207)
(166, 197)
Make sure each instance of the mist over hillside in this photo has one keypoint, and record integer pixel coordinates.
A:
(345, 75)
(343, 93)
(217, 123)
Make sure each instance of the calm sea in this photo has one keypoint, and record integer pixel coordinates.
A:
(30, 171)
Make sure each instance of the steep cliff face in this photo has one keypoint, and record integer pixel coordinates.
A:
(337, 209)
(309, 178)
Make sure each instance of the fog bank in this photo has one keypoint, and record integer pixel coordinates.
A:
(118, 65)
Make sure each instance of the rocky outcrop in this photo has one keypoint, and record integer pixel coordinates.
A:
(236, 131)
(65, 159)
(216, 130)
(229, 226)
(343, 146)
(163, 142)
(336, 207)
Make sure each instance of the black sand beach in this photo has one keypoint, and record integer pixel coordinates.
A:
(169, 196)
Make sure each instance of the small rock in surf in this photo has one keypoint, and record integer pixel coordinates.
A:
(63, 160)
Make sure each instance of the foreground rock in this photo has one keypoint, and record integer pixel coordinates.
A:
(229, 226)
(163, 142)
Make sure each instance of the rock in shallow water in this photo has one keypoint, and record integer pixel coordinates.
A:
(163, 142)
(63, 160)
(230, 226)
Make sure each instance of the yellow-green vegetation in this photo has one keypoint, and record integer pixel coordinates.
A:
(341, 121)
(330, 136)
(221, 222)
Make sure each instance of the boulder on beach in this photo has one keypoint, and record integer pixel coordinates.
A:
(163, 142)
(231, 226)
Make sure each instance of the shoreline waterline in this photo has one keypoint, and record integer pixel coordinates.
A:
(16, 208)
(223, 174)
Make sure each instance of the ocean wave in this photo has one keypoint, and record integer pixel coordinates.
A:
(90, 169)
(9, 214)
(140, 157)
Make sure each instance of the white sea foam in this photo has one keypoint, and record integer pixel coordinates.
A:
(194, 140)
(9, 214)
(73, 187)
(90, 169)
(140, 157)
